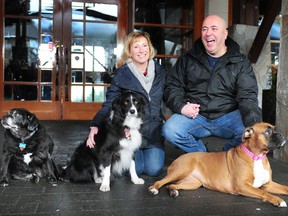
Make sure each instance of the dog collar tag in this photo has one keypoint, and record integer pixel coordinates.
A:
(22, 146)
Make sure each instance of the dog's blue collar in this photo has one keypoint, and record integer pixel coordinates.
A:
(22, 145)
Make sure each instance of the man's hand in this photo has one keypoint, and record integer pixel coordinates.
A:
(190, 110)
(90, 141)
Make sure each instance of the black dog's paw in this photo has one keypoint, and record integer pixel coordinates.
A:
(4, 181)
(64, 179)
(52, 183)
(62, 174)
(35, 179)
(52, 180)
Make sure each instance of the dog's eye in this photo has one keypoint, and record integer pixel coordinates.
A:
(17, 115)
(268, 132)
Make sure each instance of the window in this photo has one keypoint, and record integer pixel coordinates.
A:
(170, 25)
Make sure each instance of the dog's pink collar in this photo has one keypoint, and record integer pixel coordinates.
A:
(251, 154)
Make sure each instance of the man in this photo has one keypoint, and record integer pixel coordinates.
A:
(212, 91)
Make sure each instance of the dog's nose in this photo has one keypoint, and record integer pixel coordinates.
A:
(132, 111)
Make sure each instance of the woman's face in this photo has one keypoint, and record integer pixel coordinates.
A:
(140, 51)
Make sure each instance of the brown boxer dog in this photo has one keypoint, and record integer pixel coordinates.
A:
(242, 170)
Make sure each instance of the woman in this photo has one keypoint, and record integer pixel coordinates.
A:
(139, 73)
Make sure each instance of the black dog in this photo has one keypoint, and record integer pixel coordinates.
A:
(27, 149)
(117, 139)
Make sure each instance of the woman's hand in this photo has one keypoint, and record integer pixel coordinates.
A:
(90, 141)
(190, 110)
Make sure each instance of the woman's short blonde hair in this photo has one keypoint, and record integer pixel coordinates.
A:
(132, 38)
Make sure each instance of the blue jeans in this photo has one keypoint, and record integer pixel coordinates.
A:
(185, 133)
(149, 161)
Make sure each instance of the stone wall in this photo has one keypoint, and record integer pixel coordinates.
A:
(282, 84)
(244, 35)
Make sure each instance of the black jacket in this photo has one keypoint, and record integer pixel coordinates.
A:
(124, 80)
(232, 85)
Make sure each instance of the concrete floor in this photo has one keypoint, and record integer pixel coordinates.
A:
(125, 198)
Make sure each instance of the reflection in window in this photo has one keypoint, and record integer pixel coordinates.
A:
(164, 12)
(20, 50)
(76, 93)
(77, 60)
(78, 8)
(22, 7)
(95, 93)
(77, 28)
(46, 76)
(99, 31)
(170, 25)
(46, 92)
(46, 52)
(46, 26)
(96, 56)
(92, 93)
(20, 92)
(25, 49)
(93, 42)
(98, 11)
(77, 76)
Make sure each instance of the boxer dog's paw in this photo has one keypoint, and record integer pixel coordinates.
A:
(153, 190)
(173, 192)
(282, 204)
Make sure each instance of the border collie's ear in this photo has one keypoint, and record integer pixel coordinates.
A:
(116, 104)
(116, 111)
(33, 122)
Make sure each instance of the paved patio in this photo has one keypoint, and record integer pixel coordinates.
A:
(125, 198)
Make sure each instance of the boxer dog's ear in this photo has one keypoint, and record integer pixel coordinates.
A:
(247, 133)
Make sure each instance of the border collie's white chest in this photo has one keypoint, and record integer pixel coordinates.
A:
(132, 142)
(126, 153)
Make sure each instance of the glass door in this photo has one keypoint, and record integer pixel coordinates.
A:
(59, 55)
(92, 51)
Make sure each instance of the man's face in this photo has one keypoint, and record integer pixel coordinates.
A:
(214, 34)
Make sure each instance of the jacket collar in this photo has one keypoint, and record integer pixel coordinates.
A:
(199, 49)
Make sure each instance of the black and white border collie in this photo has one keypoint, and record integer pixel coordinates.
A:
(116, 142)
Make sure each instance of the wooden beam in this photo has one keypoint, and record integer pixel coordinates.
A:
(199, 11)
(273, 8)
(230, 13)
